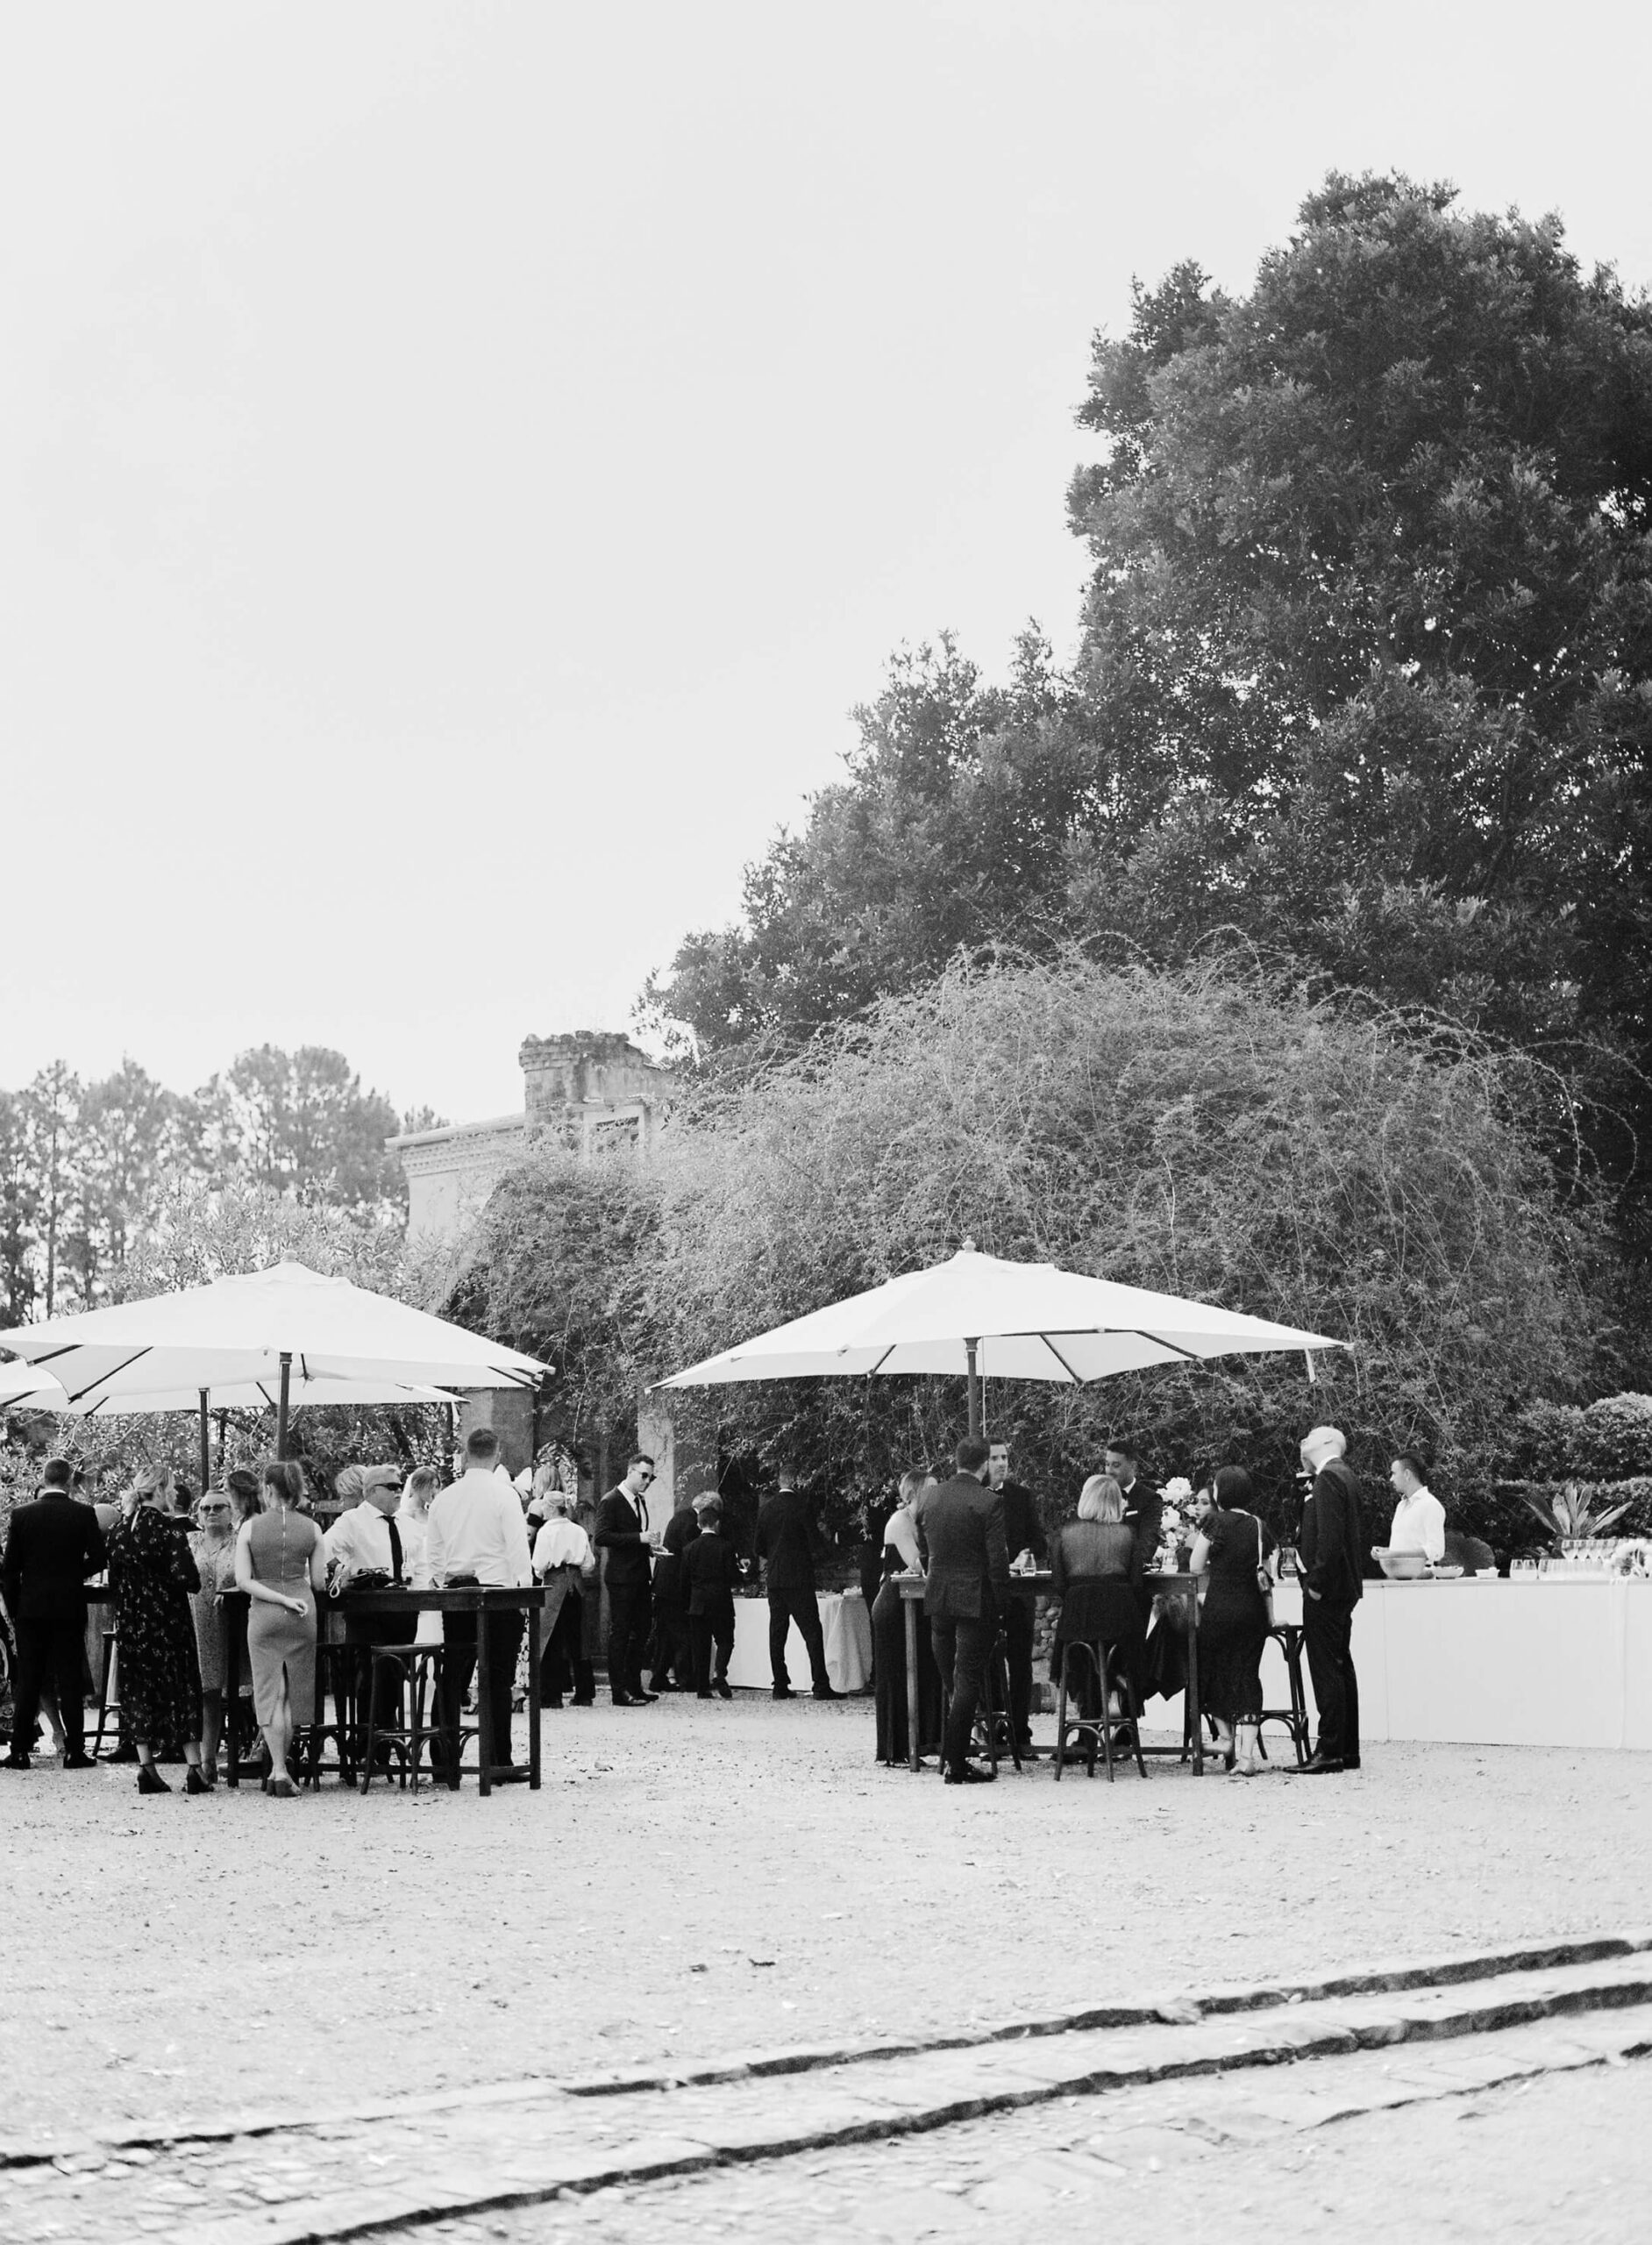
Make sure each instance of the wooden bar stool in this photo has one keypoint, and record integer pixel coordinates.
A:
(414, 1672)
(989, 1715)
(335, 1673)
(106, 1706)
(1102, 1662)
(1288, 1637)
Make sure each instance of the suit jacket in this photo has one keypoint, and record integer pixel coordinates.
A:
(1023, 1530)
(620, 1534)
(786, 1540)
(1143, 1516)
(1332, 1543)
(961, 1528)
(711, 1575)
(54, 1544)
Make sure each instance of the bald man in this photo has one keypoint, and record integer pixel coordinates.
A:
(1331, 1548)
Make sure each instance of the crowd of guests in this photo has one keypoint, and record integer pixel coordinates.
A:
(967, 1533)
(670, 1593)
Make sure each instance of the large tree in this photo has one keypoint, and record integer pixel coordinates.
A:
(1366, 669)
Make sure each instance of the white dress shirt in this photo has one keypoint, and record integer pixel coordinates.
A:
(476, 1528)
(1419, 1525)
(359, 1540)
(562, 1543)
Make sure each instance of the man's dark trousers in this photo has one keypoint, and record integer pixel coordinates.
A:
(962, 1650)
(705, 1630)
(49, 1652)
(801, 1607)
(1327, 1635)
(363, 1630)
(630, 1605)
(563, 1666)
(458, 1666)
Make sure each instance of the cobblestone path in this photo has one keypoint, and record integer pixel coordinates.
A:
(1096, 2091)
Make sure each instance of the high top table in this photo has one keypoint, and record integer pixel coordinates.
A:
(478, 1598)
(1183, 1589)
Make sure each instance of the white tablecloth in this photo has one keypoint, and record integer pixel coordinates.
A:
(1488, 1662)
(845, 1625)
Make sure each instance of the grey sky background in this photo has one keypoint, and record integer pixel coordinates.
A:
(460, 465)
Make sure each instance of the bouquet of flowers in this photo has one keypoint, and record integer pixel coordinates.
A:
(1173, 1529)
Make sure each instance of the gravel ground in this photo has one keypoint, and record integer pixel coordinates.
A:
(698, 1880)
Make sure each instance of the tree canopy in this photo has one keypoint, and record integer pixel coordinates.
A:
(1365, 672)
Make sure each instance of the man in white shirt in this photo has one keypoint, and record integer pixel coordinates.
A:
(476, 1535)
(1418, 1523)
(366, 1541)
(565, 1562)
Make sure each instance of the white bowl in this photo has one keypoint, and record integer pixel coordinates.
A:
(1403, 1566)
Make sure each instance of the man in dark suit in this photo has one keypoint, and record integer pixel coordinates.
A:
(1143, 1507)
(960, 1527)
(786, 1545)
(1024, 1539)
(54, 1544)
(1331, 1552)
(622, 1536)
(710, 1576)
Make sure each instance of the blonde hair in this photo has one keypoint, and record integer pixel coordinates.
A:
(153, 1479)
(919, 1477)
(1101, 1499)
(417, 1492)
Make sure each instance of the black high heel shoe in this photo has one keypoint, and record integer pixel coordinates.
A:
(195, 1782)
(150, 1779)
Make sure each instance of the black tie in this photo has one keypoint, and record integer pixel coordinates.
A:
(642, 1512)
(395, 1549)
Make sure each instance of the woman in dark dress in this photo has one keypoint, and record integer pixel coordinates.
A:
(902, 1556)
(152, 1575)
(1095, 1570)
(1232, 1623)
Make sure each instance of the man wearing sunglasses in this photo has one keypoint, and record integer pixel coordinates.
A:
(626, 1543)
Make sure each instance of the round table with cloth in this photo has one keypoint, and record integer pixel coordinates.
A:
(845, 1625)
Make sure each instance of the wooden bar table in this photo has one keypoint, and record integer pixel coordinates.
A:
(1183, 1589)
(476, 1597)
(479, 1599)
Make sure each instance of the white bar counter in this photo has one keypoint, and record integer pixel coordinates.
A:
(1486, 1660)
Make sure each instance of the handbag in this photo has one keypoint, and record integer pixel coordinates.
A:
(1264, 1575)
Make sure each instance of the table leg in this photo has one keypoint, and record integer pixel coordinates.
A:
(910, 1608)
(484, 1704)
(1193, 1707)
(232, 1699)
(536, 1630)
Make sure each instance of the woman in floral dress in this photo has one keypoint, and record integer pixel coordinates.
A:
(152, 1575)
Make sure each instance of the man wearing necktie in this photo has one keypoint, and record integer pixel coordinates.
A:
(626, 1542)
(366, 1541)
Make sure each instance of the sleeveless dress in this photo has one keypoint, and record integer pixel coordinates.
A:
(279, 1543)
(1233, 1623)
(889, 1667)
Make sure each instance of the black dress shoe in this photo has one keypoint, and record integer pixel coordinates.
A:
(969, 1775)
(645, 1699)
(624, 1700)
(783, 1692)
(124, 1752)
(725, 1690)
(703, 1695)
(1354, 1765)
(510, 1775)
(554, 1700)
(828, 1691)
(1316, 1766)
(15, 1762)
(588, 1701)
(78, 1762)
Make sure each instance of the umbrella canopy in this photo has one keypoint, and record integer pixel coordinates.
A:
(25, 1383)
(240, 1331)
(976, 1313)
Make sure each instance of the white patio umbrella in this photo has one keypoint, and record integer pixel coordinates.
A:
(982, 1317)
(27, 1384)
(260, 1329)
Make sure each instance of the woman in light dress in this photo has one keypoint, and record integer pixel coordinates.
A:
(412, 1519)
(902, 1556)
(281, 1563)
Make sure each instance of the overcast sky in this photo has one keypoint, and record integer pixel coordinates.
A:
(459, 465)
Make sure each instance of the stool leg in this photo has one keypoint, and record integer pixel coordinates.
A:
(1061, 1712)
(1106, 1665)
(366, 1778)
(102, 1693)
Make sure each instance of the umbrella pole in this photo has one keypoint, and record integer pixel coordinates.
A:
(974, 1378)
(280, 1408)
(206, 1446)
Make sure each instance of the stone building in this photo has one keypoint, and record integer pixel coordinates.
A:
(588, 1089)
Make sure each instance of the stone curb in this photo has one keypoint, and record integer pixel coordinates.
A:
(833, 2122)
(1378, 1979)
